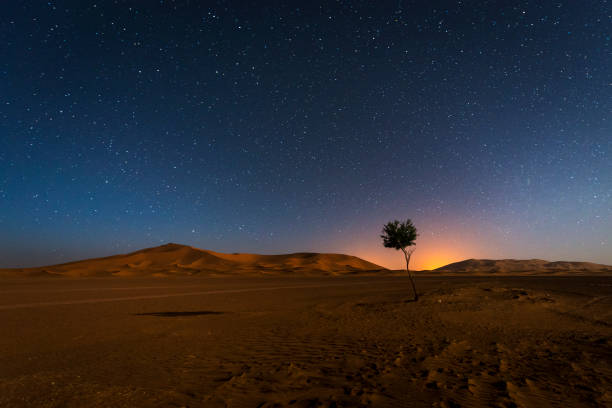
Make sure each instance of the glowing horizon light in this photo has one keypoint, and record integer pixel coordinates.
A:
(430, 266)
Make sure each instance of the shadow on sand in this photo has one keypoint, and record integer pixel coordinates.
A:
(179, 314)
(373, 304)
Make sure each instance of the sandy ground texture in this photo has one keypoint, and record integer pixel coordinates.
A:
(276, 342)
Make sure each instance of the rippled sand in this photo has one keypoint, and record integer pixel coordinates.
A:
(306, 342)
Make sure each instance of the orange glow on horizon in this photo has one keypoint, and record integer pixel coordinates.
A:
(433, 264)
(395, 260)
(422, 259)
(436, 261)
(432, 251)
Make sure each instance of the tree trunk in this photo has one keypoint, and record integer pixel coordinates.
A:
(407, 256)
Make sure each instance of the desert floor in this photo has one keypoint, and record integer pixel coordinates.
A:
(522, 341)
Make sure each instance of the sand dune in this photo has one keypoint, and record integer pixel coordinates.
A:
(524, 267)
(182, 260)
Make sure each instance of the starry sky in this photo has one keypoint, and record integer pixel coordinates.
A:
(296, 126)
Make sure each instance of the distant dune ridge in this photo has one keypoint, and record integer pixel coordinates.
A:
(523, 267)
(181, 260)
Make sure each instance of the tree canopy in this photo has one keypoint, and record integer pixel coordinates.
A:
(399, 235)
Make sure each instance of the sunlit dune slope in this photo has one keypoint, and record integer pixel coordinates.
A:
(174, 259)
(525, 266)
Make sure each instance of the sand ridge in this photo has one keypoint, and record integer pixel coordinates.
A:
(523, 267)
(181, 260)
(175, 260)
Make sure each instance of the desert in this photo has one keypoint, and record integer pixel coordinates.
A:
(305, 204)
(323, 338)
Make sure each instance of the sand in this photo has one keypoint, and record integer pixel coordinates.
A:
(306, 342)
(525, 267)
(181, 260)
(175, 260)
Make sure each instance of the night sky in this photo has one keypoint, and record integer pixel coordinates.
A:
(275, 127)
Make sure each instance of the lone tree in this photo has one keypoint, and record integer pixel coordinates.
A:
(401, 235)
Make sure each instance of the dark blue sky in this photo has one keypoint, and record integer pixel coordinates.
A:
(239, 127)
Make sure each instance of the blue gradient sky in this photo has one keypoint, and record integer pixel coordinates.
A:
(298, 127)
